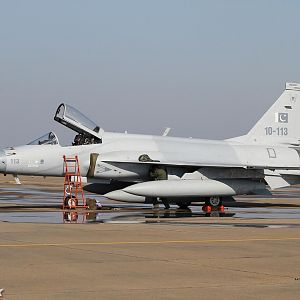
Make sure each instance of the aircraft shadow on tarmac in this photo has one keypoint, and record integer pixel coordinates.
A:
(232, 204)
(136, 217)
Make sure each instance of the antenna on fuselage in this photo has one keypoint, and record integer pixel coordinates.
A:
(167, 131)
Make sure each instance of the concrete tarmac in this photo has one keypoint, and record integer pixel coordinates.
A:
(144, 254)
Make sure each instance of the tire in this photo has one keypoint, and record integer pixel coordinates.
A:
(214, 201)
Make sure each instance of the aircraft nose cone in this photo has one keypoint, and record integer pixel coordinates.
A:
(2, 162)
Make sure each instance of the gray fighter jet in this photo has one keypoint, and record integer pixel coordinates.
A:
(149, 169)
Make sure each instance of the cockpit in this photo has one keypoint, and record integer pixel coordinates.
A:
(88, 132)
(47, 139)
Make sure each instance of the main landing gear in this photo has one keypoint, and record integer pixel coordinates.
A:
(213, 204)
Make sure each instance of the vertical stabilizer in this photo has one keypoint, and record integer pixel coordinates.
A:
(281, 123)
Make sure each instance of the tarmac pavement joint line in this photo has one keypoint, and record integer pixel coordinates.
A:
(149, 242)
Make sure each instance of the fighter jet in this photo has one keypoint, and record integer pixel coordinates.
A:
(152, 169)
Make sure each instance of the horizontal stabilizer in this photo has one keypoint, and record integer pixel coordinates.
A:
(275, 180)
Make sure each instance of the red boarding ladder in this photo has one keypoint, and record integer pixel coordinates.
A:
(73, 190)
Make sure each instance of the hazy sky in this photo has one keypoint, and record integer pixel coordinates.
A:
(207, 69)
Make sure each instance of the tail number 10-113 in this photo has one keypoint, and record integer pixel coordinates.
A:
(279, 131)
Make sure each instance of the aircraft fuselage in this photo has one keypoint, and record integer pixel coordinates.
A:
(118, 156)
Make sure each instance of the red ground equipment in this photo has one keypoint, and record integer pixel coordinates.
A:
(73, 190)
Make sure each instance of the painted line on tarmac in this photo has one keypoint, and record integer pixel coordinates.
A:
(148, 242)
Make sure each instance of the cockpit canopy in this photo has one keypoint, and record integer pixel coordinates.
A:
(88, 131)
(47, 139)
(75, 120)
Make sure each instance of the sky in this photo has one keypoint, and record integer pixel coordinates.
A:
(207, 69)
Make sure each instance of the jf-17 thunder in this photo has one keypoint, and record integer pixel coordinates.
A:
(170, 170)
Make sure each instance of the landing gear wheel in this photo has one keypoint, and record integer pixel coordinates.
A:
(214, 201)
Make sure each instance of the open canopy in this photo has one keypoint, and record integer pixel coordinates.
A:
(75, 120)
(47, 139)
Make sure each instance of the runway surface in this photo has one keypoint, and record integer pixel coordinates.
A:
(251, 251)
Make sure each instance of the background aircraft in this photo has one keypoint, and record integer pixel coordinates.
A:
(148, 169)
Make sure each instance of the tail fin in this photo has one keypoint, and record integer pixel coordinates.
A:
(281, 123)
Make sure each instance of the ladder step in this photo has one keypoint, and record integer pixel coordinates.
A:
(72, 174)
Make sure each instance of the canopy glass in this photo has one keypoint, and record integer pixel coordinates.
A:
(47, 139)
(66, 112)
